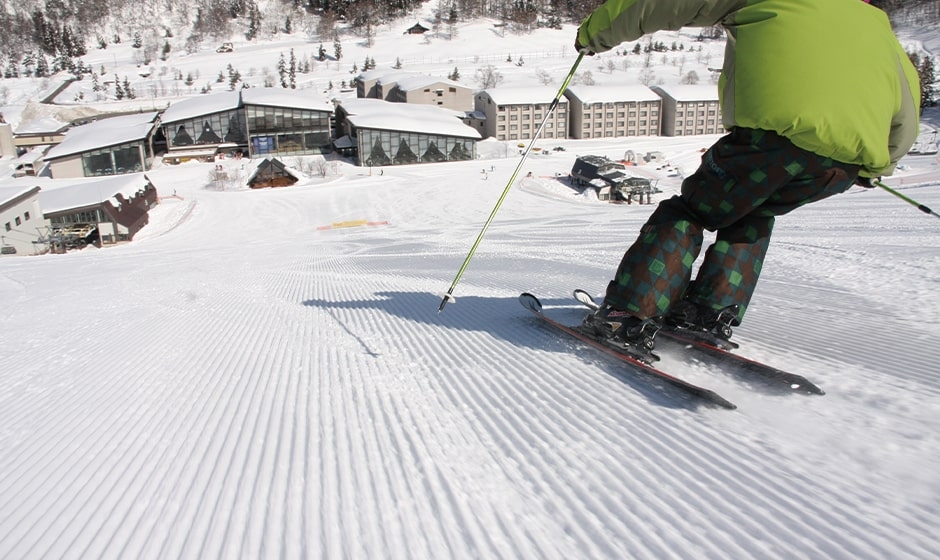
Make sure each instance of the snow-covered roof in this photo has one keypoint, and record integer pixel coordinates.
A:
(201, 105)
(79, 195)
(418, 81)
(689, 92)
(44, 125)
(409, 117)
(11, 193)
(105, 132)
(611, 94)
(291, 98)
(522, 95)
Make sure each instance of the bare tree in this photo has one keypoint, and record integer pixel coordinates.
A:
(488, 77)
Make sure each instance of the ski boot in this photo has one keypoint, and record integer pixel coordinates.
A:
(712, 325)
(624, 332)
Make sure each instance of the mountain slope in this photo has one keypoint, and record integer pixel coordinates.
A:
(240, 382)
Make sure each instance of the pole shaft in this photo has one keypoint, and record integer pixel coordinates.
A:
(910, 201)
(502, 197)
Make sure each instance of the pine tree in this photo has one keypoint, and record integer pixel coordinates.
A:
(321, 53)
(118, 91)
(454, 76)
(337, 49)
(292, 70)
(928, 77)
(254, 21)
(42, 66)
(234, 76)
(128, 90)
(282, 70)
(287, 25)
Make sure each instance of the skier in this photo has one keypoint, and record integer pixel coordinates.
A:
(816, 96)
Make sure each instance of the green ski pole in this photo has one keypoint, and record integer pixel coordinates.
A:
(910, 201)
(448, 297)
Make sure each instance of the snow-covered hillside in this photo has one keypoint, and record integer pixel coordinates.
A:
(246, 380)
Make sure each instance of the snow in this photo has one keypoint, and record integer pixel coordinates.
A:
(106, 132)
(200, 105)
(88, 193)
(238, 382)
(429, 119)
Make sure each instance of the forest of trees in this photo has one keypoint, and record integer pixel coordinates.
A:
(41, 37)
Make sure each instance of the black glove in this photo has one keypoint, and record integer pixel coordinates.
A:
(865, 182)
(585, 50)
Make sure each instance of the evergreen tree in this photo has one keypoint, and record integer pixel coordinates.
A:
(454, 76)
(165, 52)
(118, 90)
(321, 53)
(282, 70)
(128, 90)
(287, 25)
(234, 76)
(42, 66)
(337, 49)
(138, 41)
(292, 70)
(397, 63)
(928, 77)
(254, 20)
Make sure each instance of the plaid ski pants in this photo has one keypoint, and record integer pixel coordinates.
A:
(745, 179)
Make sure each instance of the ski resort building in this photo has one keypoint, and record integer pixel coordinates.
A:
(515, 113)
(200, 127)
(109, 146)
(377, 133)
(414, 87)
(286, 122)
(101, 212)
(256, 122)
(613, 111)
(690, 110)
(22, 220)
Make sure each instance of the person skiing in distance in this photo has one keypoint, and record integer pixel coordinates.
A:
(815, 95)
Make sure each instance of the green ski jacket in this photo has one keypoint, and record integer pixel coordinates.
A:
(829, 75)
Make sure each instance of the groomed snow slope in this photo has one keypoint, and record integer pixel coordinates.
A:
(238, 382)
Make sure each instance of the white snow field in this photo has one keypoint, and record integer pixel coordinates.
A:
(245, 380)
(238, 382)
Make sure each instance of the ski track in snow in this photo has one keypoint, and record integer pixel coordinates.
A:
(275, 390)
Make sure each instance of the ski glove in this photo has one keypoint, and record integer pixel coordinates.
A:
(866, 182)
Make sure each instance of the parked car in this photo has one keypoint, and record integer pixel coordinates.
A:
(225, 47)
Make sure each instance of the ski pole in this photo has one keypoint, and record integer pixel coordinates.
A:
(561, 91)
(910, 201)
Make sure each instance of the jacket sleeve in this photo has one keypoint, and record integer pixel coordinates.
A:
(905, 123)
(618, 21)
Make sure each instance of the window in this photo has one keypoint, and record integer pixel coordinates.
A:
(19, 221)
(7, 226)
(26, 216)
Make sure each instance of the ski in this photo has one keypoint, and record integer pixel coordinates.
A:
(532, 303)
(717, 351)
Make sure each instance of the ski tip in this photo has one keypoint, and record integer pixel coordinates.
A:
(530, 302)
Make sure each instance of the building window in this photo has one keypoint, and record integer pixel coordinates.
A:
(19, 221)
(7, 226)
(26, 216)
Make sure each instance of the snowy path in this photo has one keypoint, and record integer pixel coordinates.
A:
(240, 383)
